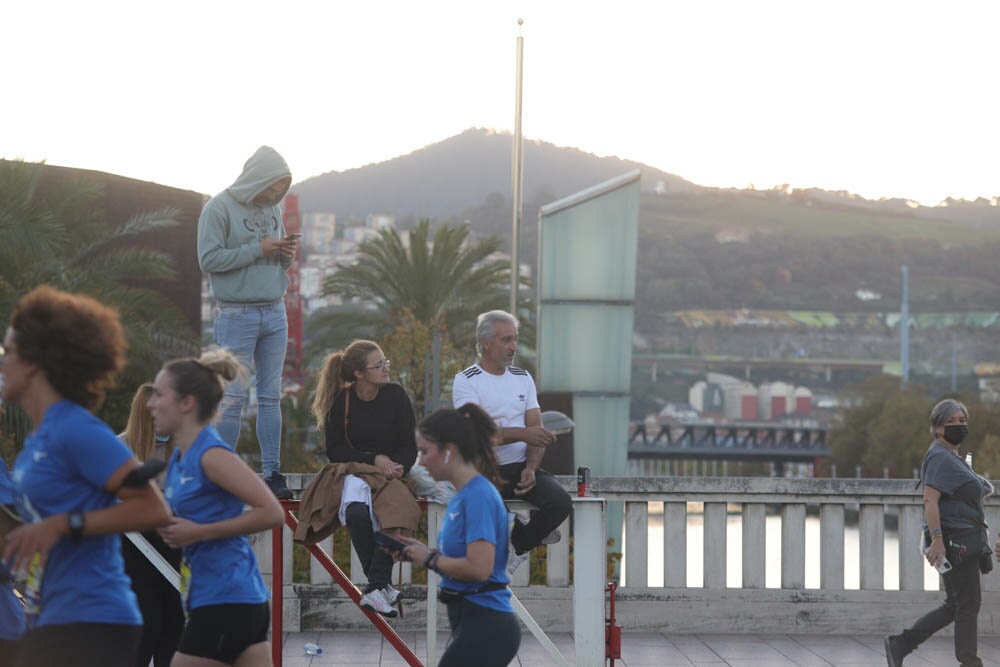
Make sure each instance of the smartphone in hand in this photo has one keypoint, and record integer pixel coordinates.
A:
(293, 237)
(387, 541)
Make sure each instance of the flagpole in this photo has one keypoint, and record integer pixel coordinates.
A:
(517, 160)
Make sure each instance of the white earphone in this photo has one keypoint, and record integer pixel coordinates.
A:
(447, 456)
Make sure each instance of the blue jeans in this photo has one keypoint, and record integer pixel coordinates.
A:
(258, 335)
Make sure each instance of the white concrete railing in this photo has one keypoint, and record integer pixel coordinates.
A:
(717, 605)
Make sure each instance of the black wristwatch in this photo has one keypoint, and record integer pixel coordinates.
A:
(76, 525)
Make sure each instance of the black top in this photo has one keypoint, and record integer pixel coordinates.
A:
(383, 425)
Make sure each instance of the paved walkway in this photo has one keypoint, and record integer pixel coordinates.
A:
(364, 649)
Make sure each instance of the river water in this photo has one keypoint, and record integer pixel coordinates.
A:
(734, 551)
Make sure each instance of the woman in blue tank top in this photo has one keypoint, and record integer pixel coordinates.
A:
(207, 487)
(471, 555)
(72, 484)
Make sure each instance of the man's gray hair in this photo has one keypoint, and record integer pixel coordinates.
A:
(944, 411)
(486, 326)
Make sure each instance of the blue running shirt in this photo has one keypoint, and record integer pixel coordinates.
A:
(222, 571)
(476, 513)
(63, 467)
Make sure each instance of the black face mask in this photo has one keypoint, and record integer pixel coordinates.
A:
(955, 433)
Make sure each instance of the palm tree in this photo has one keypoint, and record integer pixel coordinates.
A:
(403, 294)
(57, 238)
(444, 280)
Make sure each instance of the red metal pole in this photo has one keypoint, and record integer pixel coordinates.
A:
(612, 631)
(277, 593)
(345, 583)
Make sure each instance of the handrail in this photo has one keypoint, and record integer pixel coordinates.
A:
(277, 598)
(865, 530)
(155, 559)
(277, 547)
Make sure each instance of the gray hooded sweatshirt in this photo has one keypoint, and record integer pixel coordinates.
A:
(230, 231)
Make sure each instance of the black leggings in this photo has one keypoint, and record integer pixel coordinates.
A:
(480, 636)
(159, 602)
(81, 645)
(961, 607)
(8, 652)
(376, 563)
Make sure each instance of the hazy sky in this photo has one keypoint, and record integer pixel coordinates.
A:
(882, 98)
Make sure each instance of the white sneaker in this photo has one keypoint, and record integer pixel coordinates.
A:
(391, 594)
(552, 537)
(375, 601)
(515, 559)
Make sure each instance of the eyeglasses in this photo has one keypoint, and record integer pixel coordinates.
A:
(385, 363)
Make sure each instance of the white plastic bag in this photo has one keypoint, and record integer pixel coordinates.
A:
(427, 487)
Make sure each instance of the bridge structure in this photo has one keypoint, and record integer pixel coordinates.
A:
(655, 362)
(731, 441)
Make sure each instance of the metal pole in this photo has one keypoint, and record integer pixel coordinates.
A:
(516, 177)
(904, 328)
(435, 514)
(589, 580)
(537, 631)
(277, 592)
(435, 371)
(427, 383)
(954, 362)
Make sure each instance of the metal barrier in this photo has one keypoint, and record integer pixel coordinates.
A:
(589, 587)
(277, 586)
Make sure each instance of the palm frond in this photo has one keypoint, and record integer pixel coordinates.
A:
(443, 279)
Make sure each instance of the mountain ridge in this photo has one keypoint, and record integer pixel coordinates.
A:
(699, 247)
(460, 172)
(444, 178)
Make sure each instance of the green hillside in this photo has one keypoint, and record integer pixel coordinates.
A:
(700, 248)
(732, 249)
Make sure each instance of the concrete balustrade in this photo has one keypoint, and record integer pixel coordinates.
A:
(716, 606)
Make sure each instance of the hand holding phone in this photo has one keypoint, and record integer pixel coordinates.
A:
(388, 542)
(293, 237)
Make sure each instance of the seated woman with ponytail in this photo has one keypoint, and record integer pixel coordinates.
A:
(471, 554)
(207, 487)
(368, 425)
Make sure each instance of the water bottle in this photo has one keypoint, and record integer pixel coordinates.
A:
(312, 649)
(944, 566)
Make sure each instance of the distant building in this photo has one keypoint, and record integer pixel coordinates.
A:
(867, 295)
(724, 396)
(319, 231)
(311, 281)
(775, 399)
(740, 401)
(359, 234)
(379, 221)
